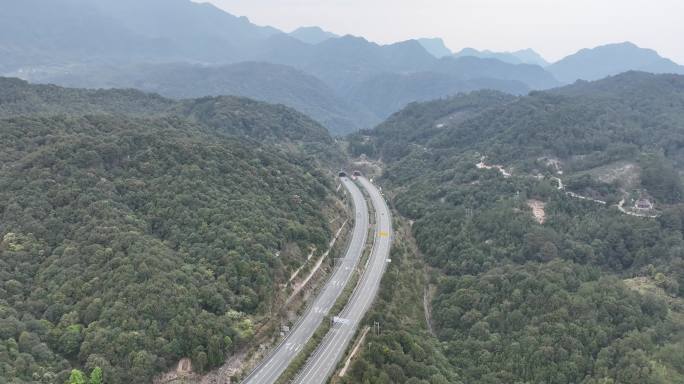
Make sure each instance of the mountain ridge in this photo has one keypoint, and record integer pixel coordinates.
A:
(523, 56)
(435, 46)
(611, 59)
(19, 98)
(312, 35)
(273, 83)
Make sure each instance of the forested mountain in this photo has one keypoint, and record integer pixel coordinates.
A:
(204, 27)
(216, 53)
(533, 76)
(388, 93)
(67, 31)
(18, 98)
(163, 207)
(347, 60)
(641, 110)
(71, 44)
(581, 293)
(419, 123)
(273, 124)
(137, 230)
(360, 101)
(611, 59)
(619, 116)
(272, 83)
(149, 33)
(232, 116)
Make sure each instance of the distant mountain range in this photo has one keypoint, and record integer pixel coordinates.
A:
(388, 93)
(126, 30)
(436, 47)
(469, 67)
(312, 35)
(274, 83)
(611, 59)
(525, 56)
(345, 83)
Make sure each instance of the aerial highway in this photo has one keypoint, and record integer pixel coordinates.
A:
(323, 361)
(268, 371)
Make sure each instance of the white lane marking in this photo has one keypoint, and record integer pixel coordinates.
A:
(329, 291)
(358, 307)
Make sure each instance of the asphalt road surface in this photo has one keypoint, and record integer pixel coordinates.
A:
(268, 371)
(323, 361)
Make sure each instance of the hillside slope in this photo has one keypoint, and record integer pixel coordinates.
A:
(633, 109)
(388, 93)
(130, 242)
(260, 81)
(227, 115)
(581, 293)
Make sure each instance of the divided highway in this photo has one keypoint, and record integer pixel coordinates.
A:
(268, 371)
(323, 361)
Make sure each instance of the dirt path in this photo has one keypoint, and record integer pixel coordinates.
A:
(299, 286)
(538, 210)
(621, 207)
(500, 168)
(295, 273)
(560, 182)
(561, 187)
(354, 351)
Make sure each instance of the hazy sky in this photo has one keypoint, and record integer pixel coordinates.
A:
(554, 28)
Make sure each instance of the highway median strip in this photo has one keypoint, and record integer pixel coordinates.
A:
(310, 347)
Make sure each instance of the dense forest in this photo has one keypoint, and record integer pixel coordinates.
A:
(586, 294)
(225, 115)
(605, 120)
(127, 243)
(273, 83)
(138, 230)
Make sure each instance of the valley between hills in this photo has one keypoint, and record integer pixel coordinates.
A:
(233, 203)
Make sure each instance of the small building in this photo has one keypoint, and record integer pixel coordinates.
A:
(643, 204)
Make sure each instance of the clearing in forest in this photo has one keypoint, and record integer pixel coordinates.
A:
(538, 210)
